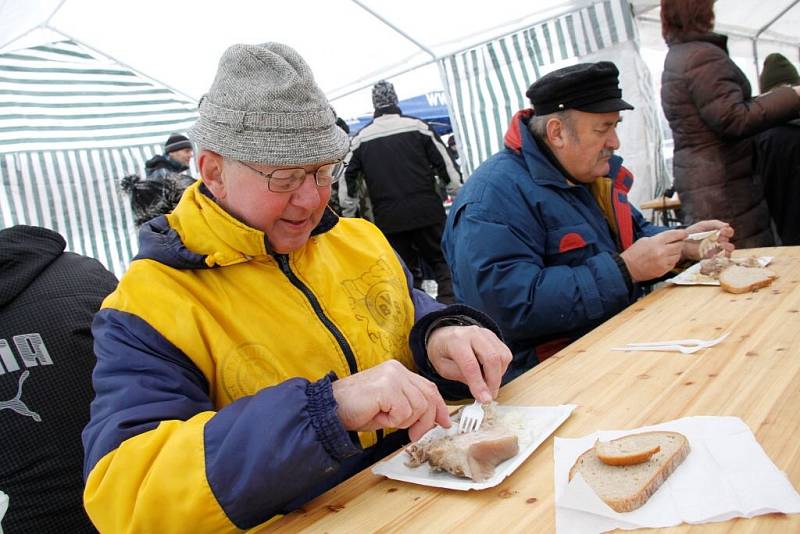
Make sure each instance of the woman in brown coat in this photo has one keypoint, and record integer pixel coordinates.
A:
(707, 100)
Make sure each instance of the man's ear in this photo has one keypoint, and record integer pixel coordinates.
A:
(556, 132)
(210, 166)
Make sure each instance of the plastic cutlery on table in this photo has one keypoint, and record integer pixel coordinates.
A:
(691, 342)
(685, 346)
(662, 348)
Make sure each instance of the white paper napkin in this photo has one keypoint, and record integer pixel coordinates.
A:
(727, 474)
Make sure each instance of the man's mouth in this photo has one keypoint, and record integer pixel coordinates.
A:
(295, 223)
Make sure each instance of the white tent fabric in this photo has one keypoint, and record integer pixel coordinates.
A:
(487, 84)
(75, 122)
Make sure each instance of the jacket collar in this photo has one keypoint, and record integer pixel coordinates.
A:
(707, 37)
(386, 110)
(520, 140)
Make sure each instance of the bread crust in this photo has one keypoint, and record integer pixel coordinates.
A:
(608, 455)
(657, 469)
(728, 282)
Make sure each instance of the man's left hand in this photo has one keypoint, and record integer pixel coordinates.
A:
(691, 249)
(472, 355)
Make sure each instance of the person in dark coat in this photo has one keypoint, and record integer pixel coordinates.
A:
(47, 300)
(707, 101)
(166, 177)
(778, 156)
(399, 158)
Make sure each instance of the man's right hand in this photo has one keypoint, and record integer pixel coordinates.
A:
(651, 257)
(389, 396)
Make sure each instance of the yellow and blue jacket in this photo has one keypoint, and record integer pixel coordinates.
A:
(215, 357)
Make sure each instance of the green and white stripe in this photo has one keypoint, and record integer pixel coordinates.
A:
(487, 83)
(71, 124)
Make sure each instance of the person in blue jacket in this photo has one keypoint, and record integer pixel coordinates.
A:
(260, 349)
(542, 237)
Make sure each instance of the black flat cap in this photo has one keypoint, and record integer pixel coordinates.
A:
(590, 87)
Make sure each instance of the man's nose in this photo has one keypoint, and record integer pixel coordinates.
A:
(612, 141)
(307, 195)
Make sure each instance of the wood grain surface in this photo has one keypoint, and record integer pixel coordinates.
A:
(754, 374)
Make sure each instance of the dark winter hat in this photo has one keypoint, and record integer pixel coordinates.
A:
(590, 87)
(265, 107)
(176, 142)
(383, 95)
(777, 71)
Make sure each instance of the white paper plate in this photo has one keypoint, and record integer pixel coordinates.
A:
(532, 423)
(692, 276)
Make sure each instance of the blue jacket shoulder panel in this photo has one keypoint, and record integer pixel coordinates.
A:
(131, 399)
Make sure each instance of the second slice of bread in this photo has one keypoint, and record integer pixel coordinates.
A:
(627, 487)
(739, 279)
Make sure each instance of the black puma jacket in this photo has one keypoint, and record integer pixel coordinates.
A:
(47, 300)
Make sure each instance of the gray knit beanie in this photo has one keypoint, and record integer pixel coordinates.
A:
(264, 107)
(383, 95)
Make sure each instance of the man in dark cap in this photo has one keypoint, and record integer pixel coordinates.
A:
(260, 349)
(178, 153)
(542, 237)
(399, 158)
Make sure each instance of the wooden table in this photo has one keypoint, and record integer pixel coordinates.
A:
(754, 374)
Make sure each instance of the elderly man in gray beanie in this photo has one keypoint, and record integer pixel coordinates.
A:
(259, 350)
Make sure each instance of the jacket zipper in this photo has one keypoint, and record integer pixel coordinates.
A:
(283, 263)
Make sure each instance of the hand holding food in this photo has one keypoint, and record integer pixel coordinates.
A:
(651, 257)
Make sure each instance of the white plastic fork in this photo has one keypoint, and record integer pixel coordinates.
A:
(662, 348)
(692, 342)
(471, 418)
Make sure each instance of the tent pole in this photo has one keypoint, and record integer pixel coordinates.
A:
(31, 30)
(764, 28)
(395, 28)
(121, 63)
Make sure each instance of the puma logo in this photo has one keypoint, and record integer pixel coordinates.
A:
(16, 403)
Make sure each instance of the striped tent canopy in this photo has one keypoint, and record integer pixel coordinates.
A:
(487, 84)
(73, 123)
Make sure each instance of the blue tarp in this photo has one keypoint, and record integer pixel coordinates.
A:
(430, 107)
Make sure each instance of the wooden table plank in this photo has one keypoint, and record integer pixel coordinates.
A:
(754, 374)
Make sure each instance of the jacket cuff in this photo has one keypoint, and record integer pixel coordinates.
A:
(623, 270)
(457, 314)
(322, 409)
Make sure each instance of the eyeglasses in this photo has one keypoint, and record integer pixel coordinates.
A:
(287, 180)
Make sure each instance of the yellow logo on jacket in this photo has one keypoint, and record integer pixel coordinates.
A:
(375, 298)
(247, 370)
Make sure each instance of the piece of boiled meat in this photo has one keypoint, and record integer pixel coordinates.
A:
(471, 455)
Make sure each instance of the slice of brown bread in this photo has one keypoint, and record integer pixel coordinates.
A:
(627, 487)
(740, 279)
